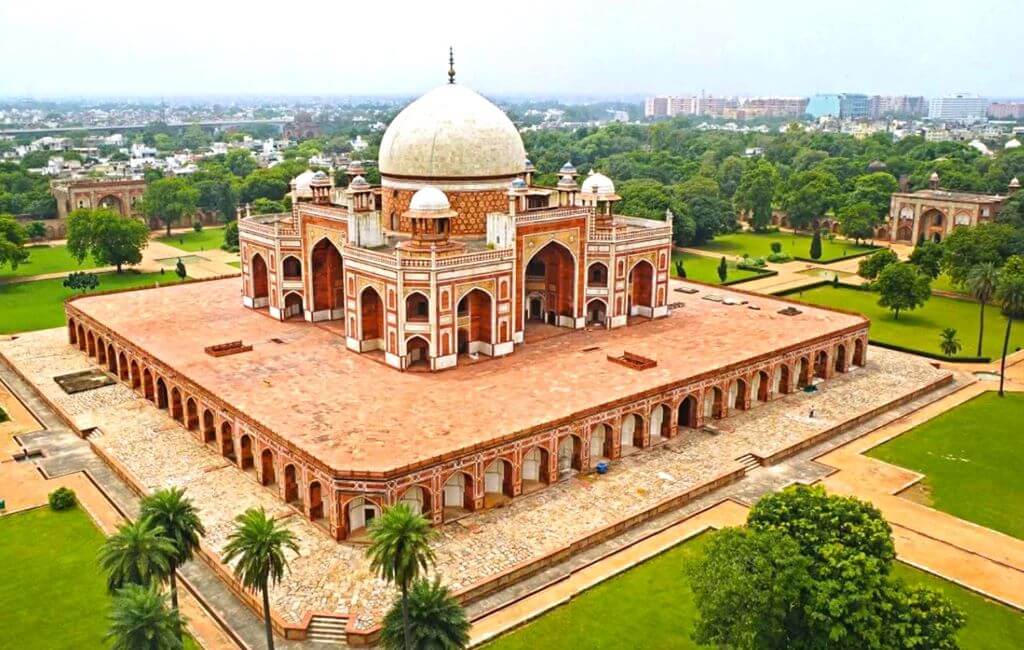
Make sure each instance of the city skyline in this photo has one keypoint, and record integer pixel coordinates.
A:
(731, 48)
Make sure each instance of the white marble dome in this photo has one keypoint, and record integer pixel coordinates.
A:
(429, 199)
(1013, 143)
(598, 184)
(451, 132)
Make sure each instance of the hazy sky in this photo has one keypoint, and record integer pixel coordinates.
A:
(783, 47)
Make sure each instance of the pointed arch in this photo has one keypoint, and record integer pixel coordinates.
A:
(641, 289)
(371, 310)
(259, 276)
(550, 276)
(534, 473)
(328, 279)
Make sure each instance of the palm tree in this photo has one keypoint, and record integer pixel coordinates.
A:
(981, 282)
(948, 342)
(137, 554)
(400, 551)
(437, 620)
(1010, 294)
(140, 620)
(179, 519)
(259, 544)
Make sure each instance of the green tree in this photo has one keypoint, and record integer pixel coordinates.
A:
(137, 554)
(982, 281)
(107, 236)
(240, 162)
(902, 287)
(965, 248)
(400, 552)
(723, 269)
(12, 242)
(730, 173)
(948, 342)
(1010, 295)
(436, 620)
(808, 197)
(869, 267)
(857, 220)
(267, 206)
(141, 620)
(755, 193)
(177, 516)
(231, 235)
(81, 281)
(257, 549)
(170, 200)
(876, 190)
(927, 256)
(36, 230)
(815, 251)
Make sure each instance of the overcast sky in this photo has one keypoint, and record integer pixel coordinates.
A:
(754, 47)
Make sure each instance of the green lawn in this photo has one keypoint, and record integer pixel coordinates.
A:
(26, 306)
(53, 594)
(205, 239)
(46, 259)
(943, 283)
(705, 269)
(920, 329)
(795, 245)
(237, 265)
(969, 457)
(651, 606)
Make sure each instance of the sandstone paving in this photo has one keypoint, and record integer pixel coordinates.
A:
(327, 576)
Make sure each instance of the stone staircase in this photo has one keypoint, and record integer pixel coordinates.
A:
(327, 629)
(750, 462)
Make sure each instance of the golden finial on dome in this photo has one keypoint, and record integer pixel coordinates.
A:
(451, 66)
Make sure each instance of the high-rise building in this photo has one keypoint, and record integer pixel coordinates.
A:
(903, 105)
(958, 107)
(1006, 110)
(776, 106)
(842, 105)
(655, 107)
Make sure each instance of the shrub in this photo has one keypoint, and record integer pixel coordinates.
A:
(871, 266)
(816, 246)
(680, 270)
(62, 499)
(776, 247)
(779, 258)
(197, 225)
(3, 415)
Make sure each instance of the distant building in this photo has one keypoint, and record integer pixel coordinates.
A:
(842, 105)
(776, 106)
(958, 107)
(932, 213)
(1006, 111)
(655, 107)
(903, 105)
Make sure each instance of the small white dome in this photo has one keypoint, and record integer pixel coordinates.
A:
(934, 176)
(1012, 144)
(1015, 182)
(301, 182)
(359, 183)
(598, 184)
(429, 199)
(567, 168)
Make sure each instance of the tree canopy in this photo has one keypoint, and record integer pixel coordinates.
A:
(111, 240)
(902, 287)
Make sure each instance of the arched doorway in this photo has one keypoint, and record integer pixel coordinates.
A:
(316, 502)
(840, 354)
(738, 394)
(267, 474)
(147, 385)
(111, 358)
(72, 332)
(641, 289)
(293, 306)
(417, 500)
(227, 443)
(361, 513)
(858, 353)
(101, 351)
(191, 414)
(780, 380)
(597, 312)
(177, 412)
(821, 364)
(260, 281)
(291, 485)
(123, 371)
(630, 434)
(246, 461)
(457, 496)
(418, 351)
(687, 414)
(569, 456)
(90, 344)
(161, 393)
(209, 427)
(760, 387)
(81, 338)
(932, 225)
(371, 310)
(600, 444)
(417, 308)
(328, 281)
(597, 275)
(474, 315)
(803, 373)
(551, 272)
(535, 469)
(498, 478)
(535, 308)
(111, 202)
(714, 403)
(291, 269)
(660, 423)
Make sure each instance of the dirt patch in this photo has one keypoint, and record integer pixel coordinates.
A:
(919, 492)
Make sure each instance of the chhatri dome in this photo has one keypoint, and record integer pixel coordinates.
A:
(451, 132)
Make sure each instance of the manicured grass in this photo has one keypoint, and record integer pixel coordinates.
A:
(651, 606)
(237, 265)
(46, 259)
(989, 624)
(705, 269)
(920, 329)
(944, 283)
(793, 244)
(53, 594)
(970, 458)
(205, 239)
(26, 306)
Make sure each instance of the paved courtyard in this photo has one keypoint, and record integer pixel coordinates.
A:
(330, 577)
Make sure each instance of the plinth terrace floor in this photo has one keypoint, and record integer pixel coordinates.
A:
(355, 414)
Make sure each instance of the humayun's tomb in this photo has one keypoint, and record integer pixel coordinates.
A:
(455, 338)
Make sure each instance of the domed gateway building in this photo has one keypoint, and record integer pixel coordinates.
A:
(454, 338)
